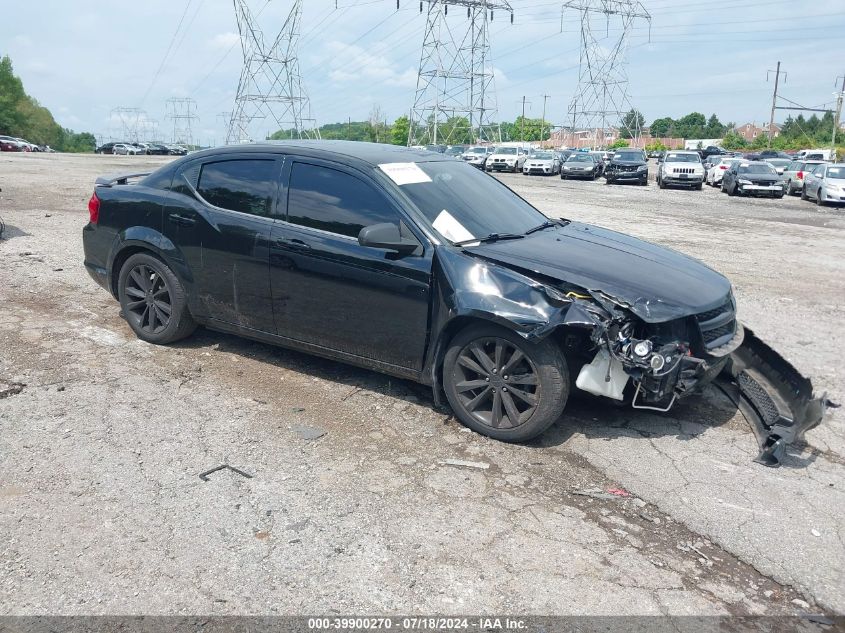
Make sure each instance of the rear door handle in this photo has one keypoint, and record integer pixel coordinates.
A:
(293, 243)
(181, 220)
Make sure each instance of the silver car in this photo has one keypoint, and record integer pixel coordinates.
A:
(545, 163)
(793, 175)
(825, 184)
(477, 156)
(780, 164)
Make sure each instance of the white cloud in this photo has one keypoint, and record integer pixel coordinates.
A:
(224, 41)
(354, 63)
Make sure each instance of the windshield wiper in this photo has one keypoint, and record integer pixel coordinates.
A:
(545, 225)
(492, 237)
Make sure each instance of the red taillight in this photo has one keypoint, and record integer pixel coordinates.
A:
(94, 208)
(723, 166)
(800, 175)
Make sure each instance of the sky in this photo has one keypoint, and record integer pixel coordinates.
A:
(82, 59)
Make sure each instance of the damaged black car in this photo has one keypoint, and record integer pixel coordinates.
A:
(417, 265)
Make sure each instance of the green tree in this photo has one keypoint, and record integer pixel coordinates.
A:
(399, 131)
(632, 124)
(732, 140)
(656, 147)
(661, 127)
(690, 126)
(618, 143)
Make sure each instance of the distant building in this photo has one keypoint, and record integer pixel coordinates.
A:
(750, 131)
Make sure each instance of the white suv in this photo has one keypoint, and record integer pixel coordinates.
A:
(682, 169)
(508, 158)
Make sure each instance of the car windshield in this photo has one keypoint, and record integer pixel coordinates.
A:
(507, 150)
(836, 172)
(580, 158)
(682, 158)
(543, 155)
(628, 155)
(779, 162)
(461, 202)
(757, 168)
(476, 150)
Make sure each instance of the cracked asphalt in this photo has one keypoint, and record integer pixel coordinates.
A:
(363, 498)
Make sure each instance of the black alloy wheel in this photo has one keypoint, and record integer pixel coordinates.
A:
(497, 383)
(504, 386)
(149, 303)
(153, 300)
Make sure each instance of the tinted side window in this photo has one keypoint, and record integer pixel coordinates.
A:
(246, 185)
(331, 200)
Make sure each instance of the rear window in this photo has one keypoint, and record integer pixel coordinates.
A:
(247, 185)
(757, 168)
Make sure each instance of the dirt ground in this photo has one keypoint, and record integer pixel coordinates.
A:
(352, 504)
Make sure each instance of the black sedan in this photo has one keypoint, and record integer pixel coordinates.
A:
(754, 179)
(417, 265)
(580, 165)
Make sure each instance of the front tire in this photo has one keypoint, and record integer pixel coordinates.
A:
(503, 386)
(804, 193)
(819, 199)
(153, 300)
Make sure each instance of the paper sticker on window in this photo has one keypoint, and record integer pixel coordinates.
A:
(404, 173)
(450, 228)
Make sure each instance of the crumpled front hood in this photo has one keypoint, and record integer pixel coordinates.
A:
(655, 283)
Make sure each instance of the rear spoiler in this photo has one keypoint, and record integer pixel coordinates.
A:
(118, 179)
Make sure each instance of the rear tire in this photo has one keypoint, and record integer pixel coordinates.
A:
(804, 193)
(475, 380)
(153, 300)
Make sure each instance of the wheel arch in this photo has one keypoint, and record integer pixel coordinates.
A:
(145, 240)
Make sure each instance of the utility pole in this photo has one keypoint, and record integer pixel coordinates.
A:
(774, 99)
(543, 130)
(522, 122)
(838, 114)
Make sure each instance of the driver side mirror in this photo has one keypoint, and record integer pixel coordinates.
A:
(388, 236)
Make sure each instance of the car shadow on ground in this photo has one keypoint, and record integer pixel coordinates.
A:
(9, 231)
(594, 417)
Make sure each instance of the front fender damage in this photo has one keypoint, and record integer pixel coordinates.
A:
(775, 398)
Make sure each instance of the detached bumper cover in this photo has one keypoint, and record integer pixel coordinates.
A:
(774, 397)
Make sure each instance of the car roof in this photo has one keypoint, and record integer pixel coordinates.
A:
(373, 153)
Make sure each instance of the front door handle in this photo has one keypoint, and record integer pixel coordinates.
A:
(181, 220)
(293, 243)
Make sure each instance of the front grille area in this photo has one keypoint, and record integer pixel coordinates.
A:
(718, 325)
(683, 170)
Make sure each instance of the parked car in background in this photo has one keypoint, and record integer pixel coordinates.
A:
(756, 178)
(721, 164)
(780, 164)
(507, 158)
(680, 169)
(563, 154)
(477, 155)
(126, 149)
(825, 184)
(793, 175)
(627, 165)
(157, 149)
(816, 154)
(580, 165)
(177, 150)
(601, 159)
(711, 150)
(10, 144)
(106, 148)
(542, 162)
(455, 151)
(440, 149)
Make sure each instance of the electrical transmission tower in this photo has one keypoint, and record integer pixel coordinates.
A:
(183, 113)
(456, 96)
(270, 86)
(601, 99)
(131, 122)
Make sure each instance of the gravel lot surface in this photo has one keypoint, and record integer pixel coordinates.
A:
(363, 498)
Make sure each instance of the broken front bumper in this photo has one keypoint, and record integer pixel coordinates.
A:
(774, 397)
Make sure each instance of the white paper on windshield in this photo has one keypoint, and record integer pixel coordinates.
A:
(404, 173)
(450, 228)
